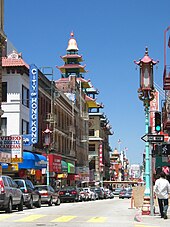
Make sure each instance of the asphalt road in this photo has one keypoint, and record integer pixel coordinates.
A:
(106, 213)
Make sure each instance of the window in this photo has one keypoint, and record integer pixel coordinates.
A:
(4, 126)
(25, 96)
(91, 132)
(4, 91)
(25, 127)
(91, 147)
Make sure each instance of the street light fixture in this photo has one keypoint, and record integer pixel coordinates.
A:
(47, 141)
(146, 94)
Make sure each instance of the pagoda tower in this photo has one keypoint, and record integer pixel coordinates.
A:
(72, 60)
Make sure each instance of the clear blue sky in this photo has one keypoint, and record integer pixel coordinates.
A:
(111, 34)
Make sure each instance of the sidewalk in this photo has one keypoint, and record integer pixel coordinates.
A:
(149, 221)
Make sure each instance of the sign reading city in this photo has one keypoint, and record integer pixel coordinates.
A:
(153, 138)
(11, 149)
(33, 101)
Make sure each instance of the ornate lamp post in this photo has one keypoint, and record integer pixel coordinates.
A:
(146, 94)
(47, 141)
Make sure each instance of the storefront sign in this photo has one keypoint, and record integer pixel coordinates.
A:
(33, 101)
(55, 163)
(11, 149)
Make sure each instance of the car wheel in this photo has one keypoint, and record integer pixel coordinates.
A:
(38, 203)
(9, 208)
(50, 203)
(30, 205)
(58, 202)
(20, 206)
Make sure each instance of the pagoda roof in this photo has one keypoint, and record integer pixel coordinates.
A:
(92, 102)
(84, 83)
(72, 66)
(146, 59)
(79, 57)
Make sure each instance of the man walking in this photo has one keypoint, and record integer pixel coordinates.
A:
(162, 190)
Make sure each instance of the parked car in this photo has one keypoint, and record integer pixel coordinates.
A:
(84, 194)
(32, 197)
(122, 193)
(94, 190)
(108, 194)
(117, 191)
(48, 195)
(126, 193)
(100, 192)
(91, 194)
(70, 193)
(10, 195)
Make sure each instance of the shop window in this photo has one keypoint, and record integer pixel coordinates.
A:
(25, 127)
(91, 147)
(25, 96)
(4, 91)
(4, 126)
(91, 132)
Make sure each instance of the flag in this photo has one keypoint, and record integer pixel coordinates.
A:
(169, 42)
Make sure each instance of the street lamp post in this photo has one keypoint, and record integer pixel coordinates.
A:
(146, 94)
(47, 141)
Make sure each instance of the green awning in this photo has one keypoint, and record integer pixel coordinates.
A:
(64, 166)
(71, 168)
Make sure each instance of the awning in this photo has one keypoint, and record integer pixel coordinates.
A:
(71, 168)
(28, 161)
(64, 166)
(40, 161)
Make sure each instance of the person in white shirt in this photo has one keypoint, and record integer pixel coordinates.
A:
(162, 190)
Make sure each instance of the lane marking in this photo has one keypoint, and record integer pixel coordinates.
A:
(97, 219)
(64, 219)
(142, 225)
(4, 216)
(30, 218)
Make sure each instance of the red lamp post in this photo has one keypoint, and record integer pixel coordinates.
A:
(146, 94)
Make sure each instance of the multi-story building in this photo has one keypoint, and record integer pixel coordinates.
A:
(2, 41)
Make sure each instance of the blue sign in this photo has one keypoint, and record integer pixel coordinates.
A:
(33, 101)
(26, 139)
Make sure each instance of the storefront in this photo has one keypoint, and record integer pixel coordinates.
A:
(32, 166)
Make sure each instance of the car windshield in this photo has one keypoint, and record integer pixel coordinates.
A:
(41, 188)
(19, 183)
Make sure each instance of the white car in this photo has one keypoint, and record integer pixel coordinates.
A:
(92, 195)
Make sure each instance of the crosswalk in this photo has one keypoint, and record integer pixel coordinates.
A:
(56, 219)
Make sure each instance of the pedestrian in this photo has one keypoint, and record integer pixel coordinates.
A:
(162, 191)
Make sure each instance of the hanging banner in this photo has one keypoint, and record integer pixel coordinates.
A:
(154, 106)
(100, 156)
(33, 101)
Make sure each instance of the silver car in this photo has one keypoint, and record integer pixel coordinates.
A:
(11, 197)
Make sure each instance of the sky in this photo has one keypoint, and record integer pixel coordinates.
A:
(110, 34)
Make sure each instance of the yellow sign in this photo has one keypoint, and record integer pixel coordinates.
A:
(13, 167)
(16, 160)
(62, 175)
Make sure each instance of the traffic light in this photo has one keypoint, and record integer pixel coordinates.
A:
(157, 121)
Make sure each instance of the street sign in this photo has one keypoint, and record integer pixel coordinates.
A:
(153, 138)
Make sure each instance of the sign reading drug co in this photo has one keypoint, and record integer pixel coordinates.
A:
(33, 101)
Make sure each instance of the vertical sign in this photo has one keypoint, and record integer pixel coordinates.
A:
(154, 106)
(33, 101)
(100, 156)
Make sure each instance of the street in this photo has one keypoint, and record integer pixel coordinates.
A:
(107, 213)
